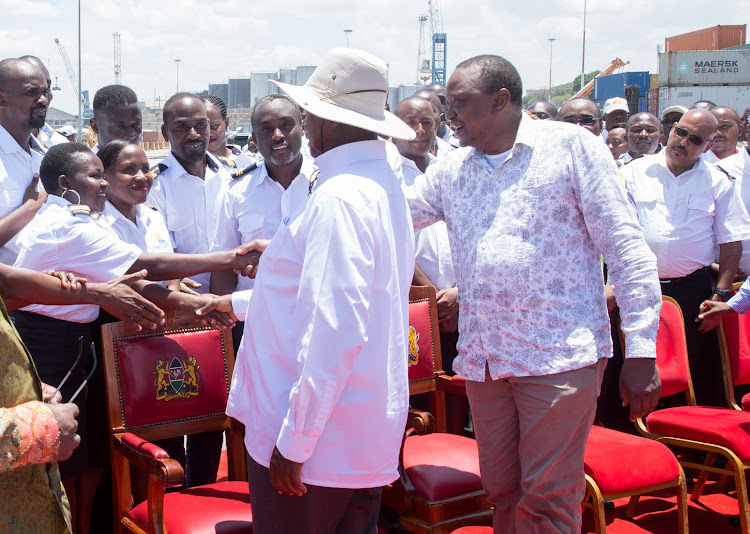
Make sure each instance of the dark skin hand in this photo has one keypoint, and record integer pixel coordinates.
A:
(447, 308)
(640, 386)
(711, 312)
(284, 475)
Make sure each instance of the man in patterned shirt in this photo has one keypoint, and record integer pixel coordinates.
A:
(530, 207)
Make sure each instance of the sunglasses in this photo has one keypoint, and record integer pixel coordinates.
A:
(667, 122)
(583, 121)
(695, 139)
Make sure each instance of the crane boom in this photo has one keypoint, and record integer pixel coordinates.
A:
(617, 63)
(68, 67)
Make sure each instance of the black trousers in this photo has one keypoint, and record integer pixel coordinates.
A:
(703, 349)
(319, 511)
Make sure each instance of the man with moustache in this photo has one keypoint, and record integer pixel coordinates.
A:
(530, 207)
(186, 193)
(24, 98)
(644, 132)
(253, 205)
(727, 134)
(116, 115)
(685, 205)
(46, 135)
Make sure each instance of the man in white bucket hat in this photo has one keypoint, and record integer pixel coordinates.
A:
(321, 377)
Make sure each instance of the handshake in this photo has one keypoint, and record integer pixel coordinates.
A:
(247, 257)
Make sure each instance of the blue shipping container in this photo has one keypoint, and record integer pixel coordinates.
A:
(614, 85)
(642, 104)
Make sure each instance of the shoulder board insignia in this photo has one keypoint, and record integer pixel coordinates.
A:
(211, 163)
(228, 162)
(150, 207)
(156, 170)
(725, 172)
(632, 160)
(78, 209)
(242, 172)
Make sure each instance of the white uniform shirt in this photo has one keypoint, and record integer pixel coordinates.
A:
(527, 240)
(150, 234)
(322, 370)
(17, 168)
(81, 244)
(738, 167)
(189, 206)
(250, 208)
(682, 217)
(432, 247)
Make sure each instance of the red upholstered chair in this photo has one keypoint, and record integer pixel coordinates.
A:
(717, 431)
(439, 488)
(622, 465)
(734, 340)
(164, 384)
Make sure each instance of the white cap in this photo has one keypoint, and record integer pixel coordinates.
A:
(616, 104)
(674, 109)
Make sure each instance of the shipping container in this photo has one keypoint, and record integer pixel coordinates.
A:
(716, 67)
(614, 85)
(736, 97)
(653, 101)
(714, 38)
(653, 81)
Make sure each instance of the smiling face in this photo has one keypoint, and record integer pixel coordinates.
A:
(187, 130)
(643, 134)
(470, 111)
(88, 181)
(129, 178)
(277, 131)
(420, 116)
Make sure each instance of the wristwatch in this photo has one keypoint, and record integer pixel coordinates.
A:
(726, 294)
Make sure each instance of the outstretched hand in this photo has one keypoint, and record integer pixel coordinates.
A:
(253, 251)
(67, 280)
(218, 304)
(711, 312)
(640, 386)
(119, 299)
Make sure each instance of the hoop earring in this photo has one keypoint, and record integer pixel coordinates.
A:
(72, 191)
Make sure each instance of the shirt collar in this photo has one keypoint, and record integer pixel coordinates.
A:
(172, 162)
(330, 162)
(8, 144)
(306, 170)
(525, 136)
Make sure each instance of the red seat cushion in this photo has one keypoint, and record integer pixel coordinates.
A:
(718, 426)
(623, 463)
(223, 508)
(442, 465)
(473, 530)
(746, 402)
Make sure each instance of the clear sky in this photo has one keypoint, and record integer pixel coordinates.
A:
(228, 38)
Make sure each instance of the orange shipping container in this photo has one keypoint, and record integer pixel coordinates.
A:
(714, 38)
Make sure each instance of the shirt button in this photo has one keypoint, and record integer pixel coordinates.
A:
(481, 281)
(484, 246)
(483, 317)
(597, 308)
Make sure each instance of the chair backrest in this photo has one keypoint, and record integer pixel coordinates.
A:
(423, 342)
(671, 352)
(734, 336)
(167, 383)
(423, 351)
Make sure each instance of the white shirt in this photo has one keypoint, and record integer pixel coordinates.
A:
(432, 248)
(17, 168)
(81, 244)
(250, 208)
(189, 206)
(683, 216)
(738, 167)
(321, 372)
(150, 233)
(527, 240)
(48, 137)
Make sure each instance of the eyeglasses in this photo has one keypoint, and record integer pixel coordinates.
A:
(695, 139)
(583, 121)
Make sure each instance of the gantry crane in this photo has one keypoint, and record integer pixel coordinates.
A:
(439, 43)
(69, 68)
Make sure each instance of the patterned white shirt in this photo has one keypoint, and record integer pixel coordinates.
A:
(526, 241)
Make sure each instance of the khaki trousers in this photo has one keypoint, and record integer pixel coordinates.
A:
(532, 434)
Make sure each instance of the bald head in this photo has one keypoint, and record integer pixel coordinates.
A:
(583, 112)
(16, 69)
(543, 109)
(24, 98)
(727, 132)
(643, 132)
(434, 101)
(689, 139)
(419, 115)
(412, 103)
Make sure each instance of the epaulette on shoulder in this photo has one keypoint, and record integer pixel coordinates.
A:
(725, 172)
(156, 170)
(242, 172)
(77, 209)
(150, 207)
(228, 162)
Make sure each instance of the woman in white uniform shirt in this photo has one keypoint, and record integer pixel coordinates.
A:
(66, 237)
